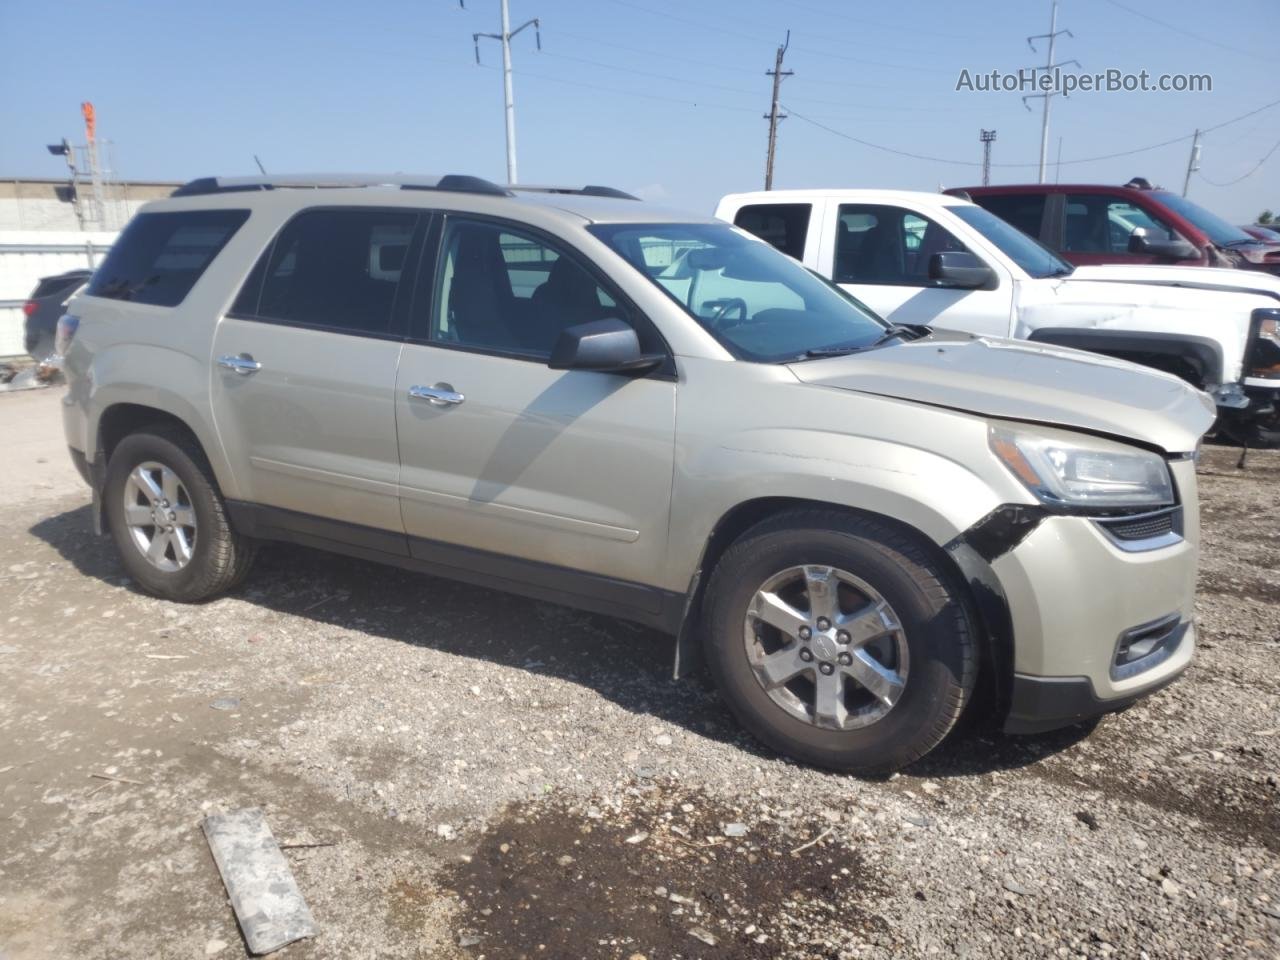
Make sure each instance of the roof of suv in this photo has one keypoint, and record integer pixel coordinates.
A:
(852, 196)
(594, 204)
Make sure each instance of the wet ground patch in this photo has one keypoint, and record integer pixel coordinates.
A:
(667, 873)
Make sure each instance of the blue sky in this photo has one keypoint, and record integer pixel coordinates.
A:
(658, 96)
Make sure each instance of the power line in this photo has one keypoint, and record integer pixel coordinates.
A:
(969, 163)
(1187, 33)
(1244, 176)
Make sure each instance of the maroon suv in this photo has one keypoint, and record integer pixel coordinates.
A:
(1136, 223)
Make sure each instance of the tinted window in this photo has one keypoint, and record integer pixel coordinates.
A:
(1098, 223)
(1024, 211)
(332, 268)
(51, 286)
(890, 245)
(506, 291)
(781, 225)
(159, 256)
(1031, 255)
(760, 304)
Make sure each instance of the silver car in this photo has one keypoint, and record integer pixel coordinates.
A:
(573, 395)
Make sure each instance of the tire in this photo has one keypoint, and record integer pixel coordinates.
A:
(211, 557)
(1258, 433)
(929, 642)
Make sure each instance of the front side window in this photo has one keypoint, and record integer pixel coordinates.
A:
(781, 225)
(1032, 256)
(160, 256)
(1024, 210)
(1098, 223)
(502, 290)
(888, 245)
(334, 269)
(759, 303)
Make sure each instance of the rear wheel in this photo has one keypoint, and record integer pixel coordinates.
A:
(168, 519)
(840, 640)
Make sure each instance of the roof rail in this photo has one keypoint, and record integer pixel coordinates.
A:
(452, 182)
(588, 191)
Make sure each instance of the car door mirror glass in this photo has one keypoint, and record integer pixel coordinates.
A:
(961, 270)
(609, 345)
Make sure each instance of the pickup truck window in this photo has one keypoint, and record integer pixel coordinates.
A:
(1032, 256)
(781, 225)
(761, 305)
(1024, 210)
(881, 244)
(1096, 223)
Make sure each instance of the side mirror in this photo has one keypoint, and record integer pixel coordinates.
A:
(961, 270)
(609, 346)
(1172, 249)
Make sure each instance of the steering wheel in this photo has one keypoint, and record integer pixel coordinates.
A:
(722, 308)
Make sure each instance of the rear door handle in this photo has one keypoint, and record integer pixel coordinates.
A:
(441, 395)
(243, 364)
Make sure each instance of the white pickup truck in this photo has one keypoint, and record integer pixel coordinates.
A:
(938, 260)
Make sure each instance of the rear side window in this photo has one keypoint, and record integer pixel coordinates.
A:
(336, 269)
(160, 256)
(781, 225)
(1024, 210)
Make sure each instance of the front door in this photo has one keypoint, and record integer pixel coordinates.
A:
(560, 476)
(304, 369)
(880, 253)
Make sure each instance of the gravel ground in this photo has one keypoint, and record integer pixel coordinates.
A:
(458, 773)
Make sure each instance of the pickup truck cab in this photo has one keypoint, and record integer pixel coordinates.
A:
(939, 260)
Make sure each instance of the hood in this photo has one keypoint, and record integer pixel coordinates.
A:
(1016, 380)
(1201, 278)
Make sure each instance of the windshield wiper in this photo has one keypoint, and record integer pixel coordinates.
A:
(897, 330)
(1241, 242)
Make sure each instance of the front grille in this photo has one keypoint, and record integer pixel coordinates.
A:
(1145, 526)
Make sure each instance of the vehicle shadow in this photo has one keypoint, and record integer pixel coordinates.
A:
(627, 663)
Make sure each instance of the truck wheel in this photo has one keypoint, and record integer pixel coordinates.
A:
(168, 519)
(1260, 433)
(840, 641)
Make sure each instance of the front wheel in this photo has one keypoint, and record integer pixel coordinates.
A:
(1261, 432)
(840, 640)
(168, 519)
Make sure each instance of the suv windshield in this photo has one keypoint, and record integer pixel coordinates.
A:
(759, 303)
(1031, 255)
(1222, 233)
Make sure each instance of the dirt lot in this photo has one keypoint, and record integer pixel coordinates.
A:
(459, 773)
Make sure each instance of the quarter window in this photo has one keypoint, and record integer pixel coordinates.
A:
(160, 256)
(888, 245)
(337, 269)
(502, 290)
(781, 225)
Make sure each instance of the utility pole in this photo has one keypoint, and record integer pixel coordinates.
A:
(1048, 68)
(773, 116)
(987, 137)
(1193, 162)
(505, 38)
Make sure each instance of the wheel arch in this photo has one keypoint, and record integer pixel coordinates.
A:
(1198, 360)
(970, 573)
(118, 420)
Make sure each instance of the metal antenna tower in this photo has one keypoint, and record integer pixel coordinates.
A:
(773, 116)
(1049, 67)
(987, 137)
(505, 39)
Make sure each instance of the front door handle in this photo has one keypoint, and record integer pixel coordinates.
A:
(440, 394)
(243, 364)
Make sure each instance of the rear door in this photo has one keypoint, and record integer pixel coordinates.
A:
(880, 253)
(304, 372)
(558, 476)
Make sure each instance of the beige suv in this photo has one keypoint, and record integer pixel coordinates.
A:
(570, 394)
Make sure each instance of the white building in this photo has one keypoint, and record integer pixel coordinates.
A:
(42, 234)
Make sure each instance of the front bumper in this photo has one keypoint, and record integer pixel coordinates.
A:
(1096, 623)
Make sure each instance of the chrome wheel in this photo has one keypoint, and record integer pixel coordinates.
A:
(159, 516)
(826, 647)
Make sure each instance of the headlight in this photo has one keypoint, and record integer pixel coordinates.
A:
(1071, 469)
